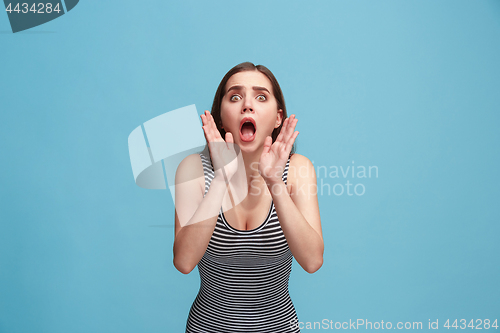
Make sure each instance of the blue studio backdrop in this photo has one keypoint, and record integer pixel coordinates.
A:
(406, 89)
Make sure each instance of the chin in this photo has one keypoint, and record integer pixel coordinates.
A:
(249, 146)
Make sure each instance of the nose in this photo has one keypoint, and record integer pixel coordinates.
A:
(247, 105)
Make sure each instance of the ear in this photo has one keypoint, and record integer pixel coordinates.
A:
(279, 118)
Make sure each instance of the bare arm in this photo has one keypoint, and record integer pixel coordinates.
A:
(195, 217)
(195, 214)
(298, 213)
(297, 203)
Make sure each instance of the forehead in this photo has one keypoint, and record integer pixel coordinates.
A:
(249, 79)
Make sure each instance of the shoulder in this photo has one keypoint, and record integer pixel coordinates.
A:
(189, 168)
(297, 160)
(300, 167)
(192, 160)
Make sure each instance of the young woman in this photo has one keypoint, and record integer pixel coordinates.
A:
(245, 208)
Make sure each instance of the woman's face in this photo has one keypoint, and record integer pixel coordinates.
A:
(249, 98)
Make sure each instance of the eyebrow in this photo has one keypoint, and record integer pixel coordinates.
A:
(257, 88)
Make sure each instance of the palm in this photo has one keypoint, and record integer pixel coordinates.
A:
(275, 155)
(222, 153)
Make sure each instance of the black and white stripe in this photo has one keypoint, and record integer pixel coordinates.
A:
(244, 277)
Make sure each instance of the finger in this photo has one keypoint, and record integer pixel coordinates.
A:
(290, 136)
(291, 125)
(214, 129)
(211, 128)
(290, 142)
(206, 116)
(267, 145)
(289, 130)
(290, 122)
(206, 137)
(280, 136)
(205, 127)
(209, 134)
(211, 120)
(229, 138)
(205, 132)
(208, 128)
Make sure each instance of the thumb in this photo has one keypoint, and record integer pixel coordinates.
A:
(229, 138)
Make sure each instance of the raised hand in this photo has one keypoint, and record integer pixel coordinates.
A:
(275, 155)
(222, 152)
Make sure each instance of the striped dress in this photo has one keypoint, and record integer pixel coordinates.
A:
(244, 277)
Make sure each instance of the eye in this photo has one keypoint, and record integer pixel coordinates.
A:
(234, 98)
(261, 98)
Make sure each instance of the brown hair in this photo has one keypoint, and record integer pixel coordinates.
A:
(278, 94)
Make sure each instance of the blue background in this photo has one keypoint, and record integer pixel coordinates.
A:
(411, 87)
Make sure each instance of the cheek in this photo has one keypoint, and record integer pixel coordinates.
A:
(270, 126)
(271, 120)
(227, 119)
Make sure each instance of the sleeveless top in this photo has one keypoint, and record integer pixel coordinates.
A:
(244, 277)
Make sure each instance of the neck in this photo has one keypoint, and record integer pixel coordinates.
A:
(251, 161)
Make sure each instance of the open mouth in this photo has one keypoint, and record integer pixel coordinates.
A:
(247, 129)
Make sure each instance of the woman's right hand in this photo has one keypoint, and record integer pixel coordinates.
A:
(222, 152)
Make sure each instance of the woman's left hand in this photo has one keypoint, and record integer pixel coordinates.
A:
(275, 155)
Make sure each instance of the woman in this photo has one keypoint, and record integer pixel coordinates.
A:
(245, 208)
